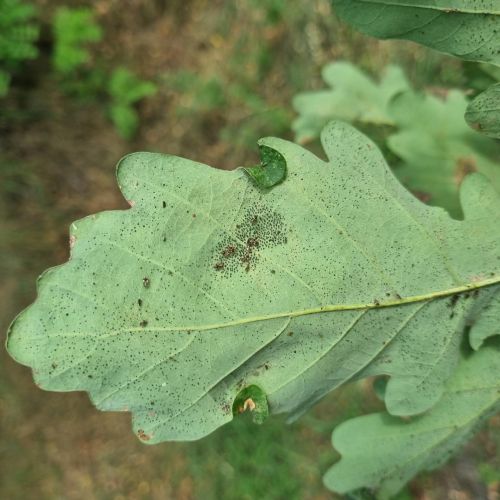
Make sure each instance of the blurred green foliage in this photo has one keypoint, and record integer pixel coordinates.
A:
(234, 465)
(125, 89)
(200, 95)
(217, 93)
(489, 474)
(73, 29)
(18, 34)
(274, 10)
(423, 135)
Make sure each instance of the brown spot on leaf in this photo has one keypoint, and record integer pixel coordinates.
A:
(440, 92)
(259, 228)
(229, 251)
(143, 436)
(464, 166)
(422, 196)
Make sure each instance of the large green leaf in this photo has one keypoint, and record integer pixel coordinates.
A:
(353, 97)
(438, 148)
(464, 28)
(383, 452)
(209, 285)
(483, 113)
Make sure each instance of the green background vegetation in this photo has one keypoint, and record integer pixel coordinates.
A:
(202, 80)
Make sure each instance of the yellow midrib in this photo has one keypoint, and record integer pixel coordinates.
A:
(332, 308)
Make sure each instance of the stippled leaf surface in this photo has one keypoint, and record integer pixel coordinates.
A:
(382, 452)
(353, 97)
(208, 285)
(437, 147)
(483, 113)
(464, 28)
(487, 323)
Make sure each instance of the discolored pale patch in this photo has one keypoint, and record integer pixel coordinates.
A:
(260, 227)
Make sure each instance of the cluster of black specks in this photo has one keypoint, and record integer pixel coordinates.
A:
(146, 283)
(259, 228)
(452, 302)
(226, 408)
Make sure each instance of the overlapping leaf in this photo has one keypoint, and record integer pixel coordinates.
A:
(437, 147)
(468, 29)
(353, 97)
(464, 28)
(483, 113)
(208, 286)
(383, 452)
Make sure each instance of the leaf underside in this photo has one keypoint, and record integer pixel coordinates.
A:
(207, 286)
